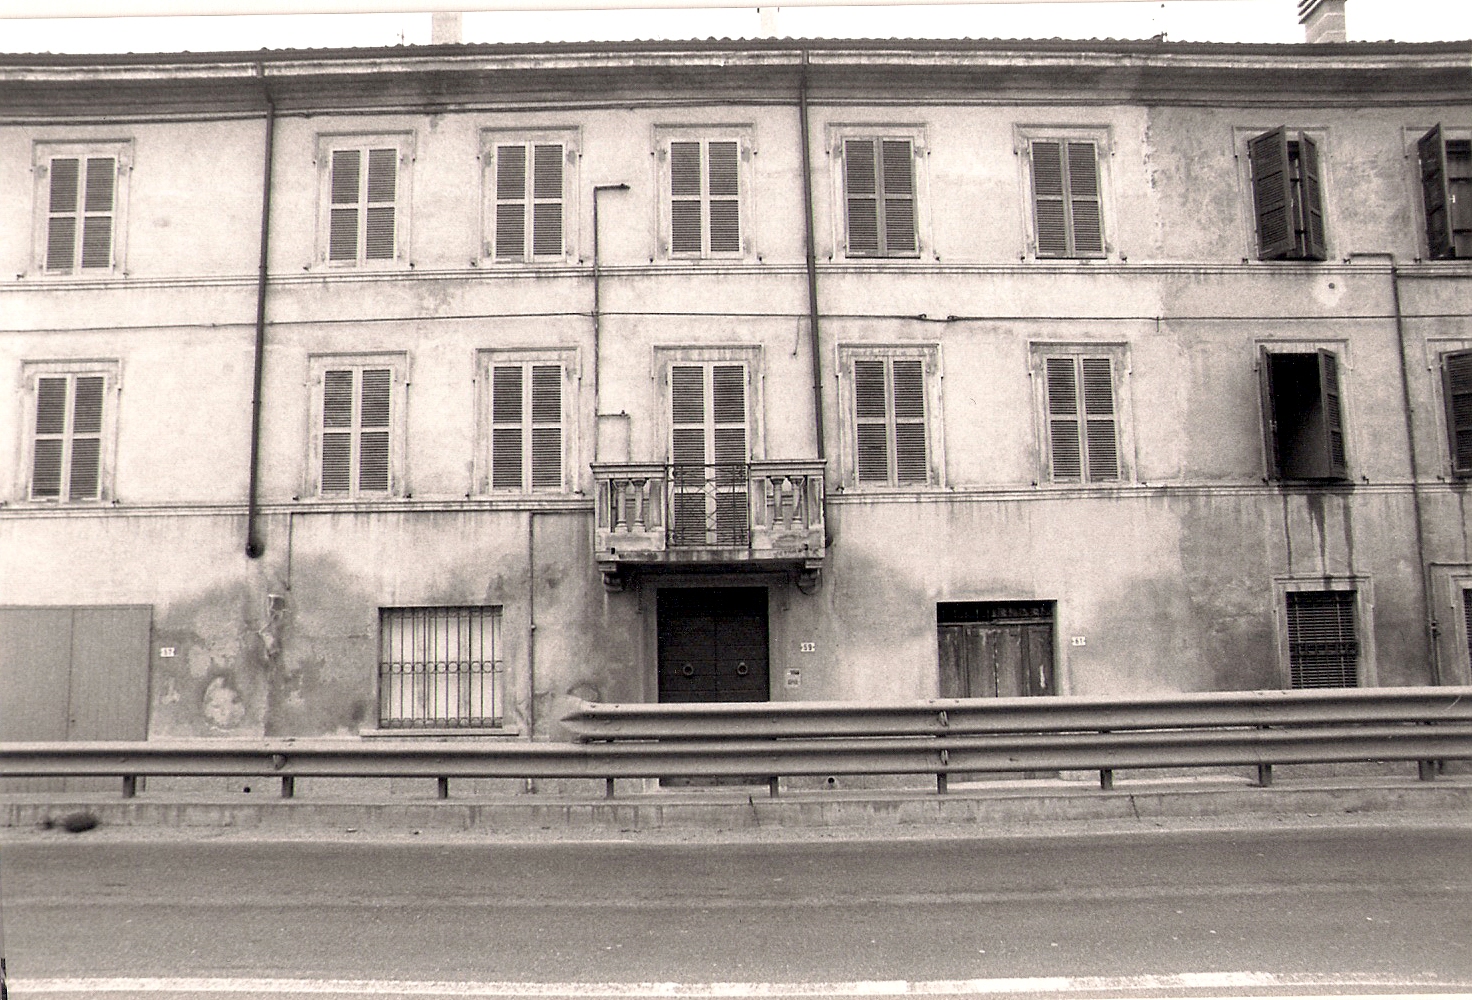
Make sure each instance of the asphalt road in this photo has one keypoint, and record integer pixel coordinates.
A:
(1309, 909)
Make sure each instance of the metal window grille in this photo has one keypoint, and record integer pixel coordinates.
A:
(440, 667)
(1323, 648)
(1467, 616)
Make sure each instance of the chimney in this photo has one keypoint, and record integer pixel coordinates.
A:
(1322, 20)
(444, 29)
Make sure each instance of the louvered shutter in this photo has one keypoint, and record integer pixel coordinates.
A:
(50, 438)
(1272, 194)
(383, 173)
(1333, 415)
(507, 407)
(1269, 413)
(84, 474)
(686, 232)
(1323, 645)
(1086, 221)
(1048, 199)
(81, 202)
(1064, 441)
(688, 453)
(871, 413)
(898, 187)
(337, 431)
(1436, 194)
(910, 458)
(860, 188)
(1467, 618)
(728, 480)
(343, 223)
(1100, 431)
(102, 174)
(724, 186)
(374, 430)
(546, 436)
(61, 223)
(510, 202)
(1312, 190)
(547, 160)
(1456, 380)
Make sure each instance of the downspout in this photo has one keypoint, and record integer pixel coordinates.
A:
(812, 261)
(1405, 388)
(254, 546)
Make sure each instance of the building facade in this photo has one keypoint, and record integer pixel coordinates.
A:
(433, 389)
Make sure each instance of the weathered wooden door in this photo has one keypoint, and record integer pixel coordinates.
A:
(713, 644)
(996, 659)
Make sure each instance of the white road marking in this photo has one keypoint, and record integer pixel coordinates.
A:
(1117, 985)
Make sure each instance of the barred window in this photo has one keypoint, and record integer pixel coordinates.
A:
(1323, 643)
(440, 667)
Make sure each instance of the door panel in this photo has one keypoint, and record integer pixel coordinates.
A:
(1004, 660)
(35, 672)
(713, 644)
(109, 695)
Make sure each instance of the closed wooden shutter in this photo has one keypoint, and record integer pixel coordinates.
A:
(1066, 447)
(1456, 381)
(1065, 178)
(342, 242)
(910, 456)
(337, 431)
(1311, 187)
(891, 426)
(510, 235)
(1333, 414)
(1049, 209)
(1436, 194)
(1100, 436)
(871, 413)
(1467, 619)
(1323, 645)
(546, 436)
(861, 178)
(357, 431)
(708, 449)
(898, 185)
(547, 161)
(375, 430)
(1272, 194)
(102, 174)
(85, 466)
(61, 224)
(686, 235)
(507, 407)
(724, 185)
(383, 186)
(50, 438)
(362, 217)
(1086, 227)
(81, 207)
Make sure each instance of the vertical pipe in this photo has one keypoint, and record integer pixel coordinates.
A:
(531, 626)
(254, 546)
(812, 260)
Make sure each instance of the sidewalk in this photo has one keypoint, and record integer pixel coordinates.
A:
(645, 810)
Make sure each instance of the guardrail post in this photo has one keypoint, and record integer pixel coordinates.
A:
(130, 785)
(1426, 770)
(772, 787)
(442, 788)
(1264, 775)
(288, 786)
(608, 788)
(940, 782)
(1106, 778)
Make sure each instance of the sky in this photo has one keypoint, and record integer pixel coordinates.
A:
(255, 25)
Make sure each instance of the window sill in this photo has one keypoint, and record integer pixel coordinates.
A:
(423, 732)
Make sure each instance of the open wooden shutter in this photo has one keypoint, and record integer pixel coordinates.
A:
(1269, 413)
(337, 431)
(510, 202)
(686, 231)
(871, 415)
(1436, 194)
(898, 187)
(84, 474)
(910, 457)
(374, 430)
(1086, 221)
(546, 436)
(1064, 441)
(382, 194)
(547, 160)
(506, 426)
(1456, 381)
(1333, 415)
(345, 184)
(724, 186)
(50, 440)
(1315, 246)
(861, 178)
(1272, 194)
(1100, 433)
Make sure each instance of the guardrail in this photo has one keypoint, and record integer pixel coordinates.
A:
(767, 740)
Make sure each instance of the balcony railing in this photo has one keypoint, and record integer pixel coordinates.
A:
(766, 512)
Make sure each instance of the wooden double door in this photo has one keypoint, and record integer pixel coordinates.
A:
(996, 659)
(713, 644)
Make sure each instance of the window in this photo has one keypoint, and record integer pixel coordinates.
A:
(440, 668)
(1456, 386)
(1323, 642)
(891, 401)
(71, 421)
(1303, 417)
(527, 407)
(1081, 408)
(703, 202)
(708, 453)
(1068, 221)
(359, 405)
(80, 193)
(1287, 196)
(1446, 186)
(529, 177)
(366, 191)
(879, 188)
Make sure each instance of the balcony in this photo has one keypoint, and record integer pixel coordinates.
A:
(766, 514)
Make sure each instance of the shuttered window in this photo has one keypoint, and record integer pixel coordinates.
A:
(708, 452)
(81, 206)
(1323, 643)
(364, 189)
(1083, 439)
(66, 462)
(1303, 415)
(891, 429)
(529, 196)
(526, 426)
(1446, 188)
(1456, 386)
(705, 197)
(357, 431)
(1287, 194)
(1066, 202)
(879, 187)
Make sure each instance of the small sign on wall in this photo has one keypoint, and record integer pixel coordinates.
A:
(1079, 640)
(794, 677)
(809, 647)
(165, 651)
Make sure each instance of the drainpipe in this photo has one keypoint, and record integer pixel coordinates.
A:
(254, 546)
(598, 314)
(1405, 389)
(812, 260)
